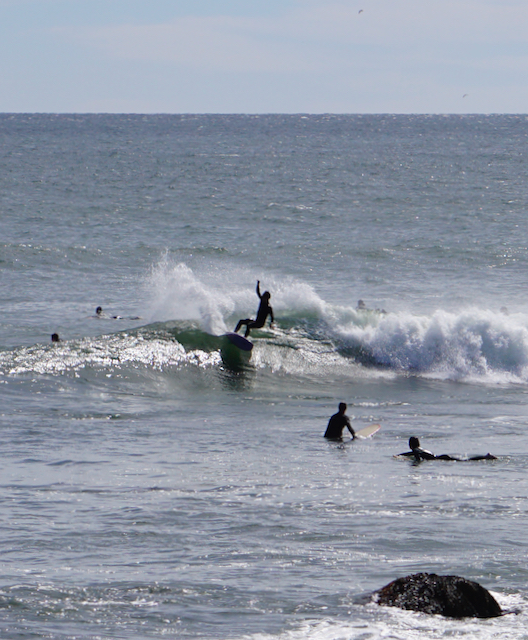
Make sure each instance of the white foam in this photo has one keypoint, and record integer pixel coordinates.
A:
(473, 344)
(371, 622)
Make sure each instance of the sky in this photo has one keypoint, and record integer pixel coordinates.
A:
(256, 56)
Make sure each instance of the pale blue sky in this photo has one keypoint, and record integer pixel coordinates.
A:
(278, 56)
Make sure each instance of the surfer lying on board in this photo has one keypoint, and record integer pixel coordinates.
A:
(263, 312)
(337, 423)
(420, 454)
(99, 313)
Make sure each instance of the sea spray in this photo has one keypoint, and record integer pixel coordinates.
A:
(217, 300)
(178, 294)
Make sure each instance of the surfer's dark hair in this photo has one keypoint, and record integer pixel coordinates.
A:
(414, 443)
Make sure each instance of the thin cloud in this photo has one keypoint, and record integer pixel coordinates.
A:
(306, 55)
(214, 43)
(313, 37)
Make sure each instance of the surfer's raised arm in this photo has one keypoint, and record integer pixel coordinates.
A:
(258, 289)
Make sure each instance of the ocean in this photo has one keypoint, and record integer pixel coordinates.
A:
(156, 483)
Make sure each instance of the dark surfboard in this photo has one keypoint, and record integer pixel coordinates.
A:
(239, 341)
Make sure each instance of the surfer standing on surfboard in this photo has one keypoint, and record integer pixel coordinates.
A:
(263, 312)
(337, 423)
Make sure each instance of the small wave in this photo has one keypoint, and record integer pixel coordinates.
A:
(151, 350)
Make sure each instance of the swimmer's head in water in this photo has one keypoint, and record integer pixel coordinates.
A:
(414, 443)
(342, 407)
(99, 311)
(55, 337)
(361, 304)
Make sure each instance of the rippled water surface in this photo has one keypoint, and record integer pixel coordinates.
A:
(156, 482)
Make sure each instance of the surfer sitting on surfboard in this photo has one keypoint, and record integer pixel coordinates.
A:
(420, 454)
(263, 312)
(337, 423)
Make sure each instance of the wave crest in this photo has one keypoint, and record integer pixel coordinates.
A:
(472, 344)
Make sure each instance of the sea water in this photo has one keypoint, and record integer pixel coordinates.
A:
(152, 486)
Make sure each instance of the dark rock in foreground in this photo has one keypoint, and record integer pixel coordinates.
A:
(445, 595)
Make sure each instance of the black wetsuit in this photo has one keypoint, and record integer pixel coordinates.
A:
(420, 454)
(336, 424)
(263, 312)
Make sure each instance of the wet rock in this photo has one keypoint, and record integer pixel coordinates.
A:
(450, 596)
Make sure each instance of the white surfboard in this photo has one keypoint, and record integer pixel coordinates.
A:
(361, 434)
(368, 431)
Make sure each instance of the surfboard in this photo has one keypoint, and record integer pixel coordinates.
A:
(368, 431)
(361, 434)
(239, 341)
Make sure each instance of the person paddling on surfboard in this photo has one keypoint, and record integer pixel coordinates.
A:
(337, 423)
(100, 314)
(263, 312)
(420, 454)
